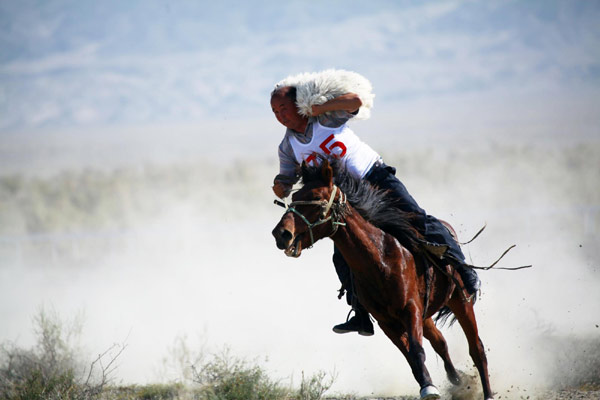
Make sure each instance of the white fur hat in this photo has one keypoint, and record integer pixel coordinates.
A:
(318, 87)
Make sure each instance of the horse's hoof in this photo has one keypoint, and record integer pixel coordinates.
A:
(454, 379)
(429, 393)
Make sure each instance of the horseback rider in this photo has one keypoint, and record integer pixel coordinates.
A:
(315, 109)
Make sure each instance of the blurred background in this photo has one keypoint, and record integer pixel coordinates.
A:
(138, 148)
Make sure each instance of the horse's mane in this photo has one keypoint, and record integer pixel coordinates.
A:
(373, 204)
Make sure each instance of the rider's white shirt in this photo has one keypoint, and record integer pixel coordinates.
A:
(335, 142)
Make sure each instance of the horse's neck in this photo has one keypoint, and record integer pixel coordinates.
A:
(360, 242)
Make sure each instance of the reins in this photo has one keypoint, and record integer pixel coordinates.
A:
(323, 218)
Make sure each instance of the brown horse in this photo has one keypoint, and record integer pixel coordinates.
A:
(402, 292)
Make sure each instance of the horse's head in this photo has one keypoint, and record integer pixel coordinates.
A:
(314, 213)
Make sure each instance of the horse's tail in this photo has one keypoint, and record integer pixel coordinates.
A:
(444, 315)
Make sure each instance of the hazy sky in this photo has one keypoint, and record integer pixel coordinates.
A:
(87, 63)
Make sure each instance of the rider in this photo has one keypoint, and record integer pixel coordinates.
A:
(320, 126)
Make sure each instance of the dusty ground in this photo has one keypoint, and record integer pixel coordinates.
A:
(592, 393)
(572, 394)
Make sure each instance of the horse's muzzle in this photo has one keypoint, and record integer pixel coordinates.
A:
(283, 237)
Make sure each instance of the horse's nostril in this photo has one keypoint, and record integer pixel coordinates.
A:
(283, 237)
(286, 235)
(276, 233)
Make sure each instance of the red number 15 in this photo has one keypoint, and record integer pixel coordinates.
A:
(328, 149)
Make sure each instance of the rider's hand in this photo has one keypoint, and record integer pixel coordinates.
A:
(349, 102)
(316, 110)
(279, 189)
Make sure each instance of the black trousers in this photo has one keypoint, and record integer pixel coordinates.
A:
(384, 177)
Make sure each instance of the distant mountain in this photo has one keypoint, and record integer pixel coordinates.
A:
(74, 63)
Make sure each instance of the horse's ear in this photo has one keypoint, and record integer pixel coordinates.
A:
(327, 172)
(304, 168)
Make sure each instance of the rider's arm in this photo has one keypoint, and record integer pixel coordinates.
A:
(349, 102)
(281, 188)
(288, 167)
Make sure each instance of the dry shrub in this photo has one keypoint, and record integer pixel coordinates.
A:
(51, 369)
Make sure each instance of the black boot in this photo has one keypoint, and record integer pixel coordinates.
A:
(360, 322)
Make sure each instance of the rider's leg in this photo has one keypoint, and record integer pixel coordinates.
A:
(431, 228)
(361, 321)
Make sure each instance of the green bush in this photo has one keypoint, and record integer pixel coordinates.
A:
(46, 371)
(51, 369)
(315, 386)
(35, 385)
(159, 392)
(225, 377)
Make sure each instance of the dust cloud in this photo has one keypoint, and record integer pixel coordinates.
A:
(151, 251)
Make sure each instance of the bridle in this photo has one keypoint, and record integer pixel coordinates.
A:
(334, 216)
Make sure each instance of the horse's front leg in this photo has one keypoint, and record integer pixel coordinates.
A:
(410, 341)
(414, 323)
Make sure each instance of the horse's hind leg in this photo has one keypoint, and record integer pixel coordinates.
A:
(438, 342)
(466, 317)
